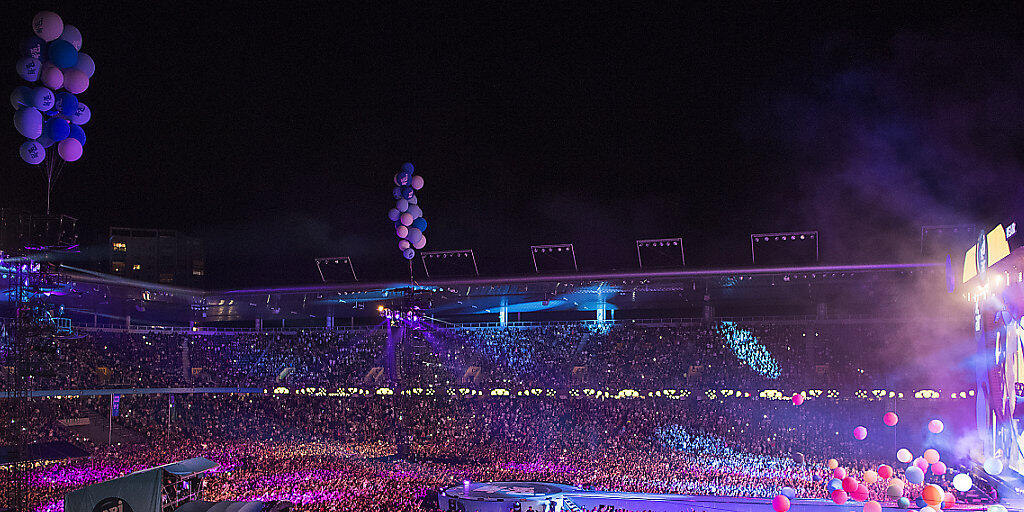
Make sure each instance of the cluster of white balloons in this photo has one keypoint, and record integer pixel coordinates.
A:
(407, 215)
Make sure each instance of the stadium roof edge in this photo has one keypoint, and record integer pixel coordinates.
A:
(594, 276)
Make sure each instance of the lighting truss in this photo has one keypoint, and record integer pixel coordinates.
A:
(661, 248)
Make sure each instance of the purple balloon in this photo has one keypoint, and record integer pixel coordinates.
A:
(69, 149)
(409, 254)
(32, 152)
(29, 68)
(393, 214)
(82, 114)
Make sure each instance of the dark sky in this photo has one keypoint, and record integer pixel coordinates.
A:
(273, 130)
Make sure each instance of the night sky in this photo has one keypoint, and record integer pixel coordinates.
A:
(273, 131)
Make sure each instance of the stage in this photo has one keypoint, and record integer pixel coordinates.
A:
(501, 496)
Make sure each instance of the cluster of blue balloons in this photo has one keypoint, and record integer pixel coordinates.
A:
(44, 114)
(407, 215)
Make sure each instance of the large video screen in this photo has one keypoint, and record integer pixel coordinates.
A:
(1008, 431)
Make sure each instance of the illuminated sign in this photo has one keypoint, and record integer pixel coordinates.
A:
(990, 249)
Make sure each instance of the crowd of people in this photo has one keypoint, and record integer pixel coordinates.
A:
(620, 356)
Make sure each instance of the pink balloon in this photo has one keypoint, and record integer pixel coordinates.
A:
(52, 77)
(890, 419)
(406, 219)
(939, 468)
(403, 244)
(935, 426)
(860, 433)
(839, 496)
(402, 232)
(798, 399)
(69, 149)
(420, 243)
(861, 493)
(780, 503)
(416, 182)
(850, 484)
(921, 463)
(839, 473)
(872, 506)
(75, 81)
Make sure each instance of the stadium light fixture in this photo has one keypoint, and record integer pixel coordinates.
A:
(333, 269)
(661, 252)
(554, 258)
(456, 263)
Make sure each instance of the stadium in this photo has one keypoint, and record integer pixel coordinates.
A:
(813, 371)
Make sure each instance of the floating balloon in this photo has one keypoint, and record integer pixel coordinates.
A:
(407, 167)
(403, 245)
(921, 463)
(904, 455)
(402, 205)
(393, 214)
(915, 475)
(77, 133)
(850, 484)
(890, 419)
(421, 224)
(839, 473)
(72, 35)
(32, 152)
(963, 482)
(894, 491)
(414, 199)
(62, 54)
(839, 496)
(29, 68)
(932, 495)
(415, 211)
(788, 492)
(29, 122)
(861, 493)
(928, 509)
(397, 192)
(47, 25)
(870, 477)
(903, 503)
(935, 426)
(414, 236)
(406, 192)
(816, 478)
(402, 178)
(69, 149)
(872, 506)
(798, 399)
(885, 471)
(85, 64)
(43, 99)
(57, 129)
(421, 243)
(834, 484)
(45, 141)
(416, 182)
(52, 77)
(66, 103)
(33, 47)
(409, 254)
(82, 115)
(919, 501)
(993, 466)
(75, 81)
(939, 468)
(832, 463)
(406, 219)
(931, 455)
(996, 508)
(780, 503)
(860, 433)
(21, 96)
(402, 231)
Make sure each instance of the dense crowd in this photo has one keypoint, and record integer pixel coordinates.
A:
(717, 355)
(329, 453)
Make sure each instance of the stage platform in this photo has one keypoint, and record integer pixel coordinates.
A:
(501, 496)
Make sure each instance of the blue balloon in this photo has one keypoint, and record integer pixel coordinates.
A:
(32, 152)
(413, 199)
(62, 54)
(409, 253)
(21, 96)
(407, 167)
(77, 133)
(397, 192)
(29, 122)
(85, 64)
(43, 99)
(32, 47)
(420, 224)
(406, 192)
(45, 141)
(903, 503)
(67, 103)
(919, 501)
(834, 484)
(402, 178)
(789, 492)
(57, 129)
(82, 115)
(29, 68)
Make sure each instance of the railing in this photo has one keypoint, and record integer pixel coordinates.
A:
(681, 321)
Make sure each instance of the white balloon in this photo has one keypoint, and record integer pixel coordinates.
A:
(963, 482)
(402, 231)
(421, 243)
(416, 182)
(993, 466)
(406, 219)
(403, 244)
(402, 205)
